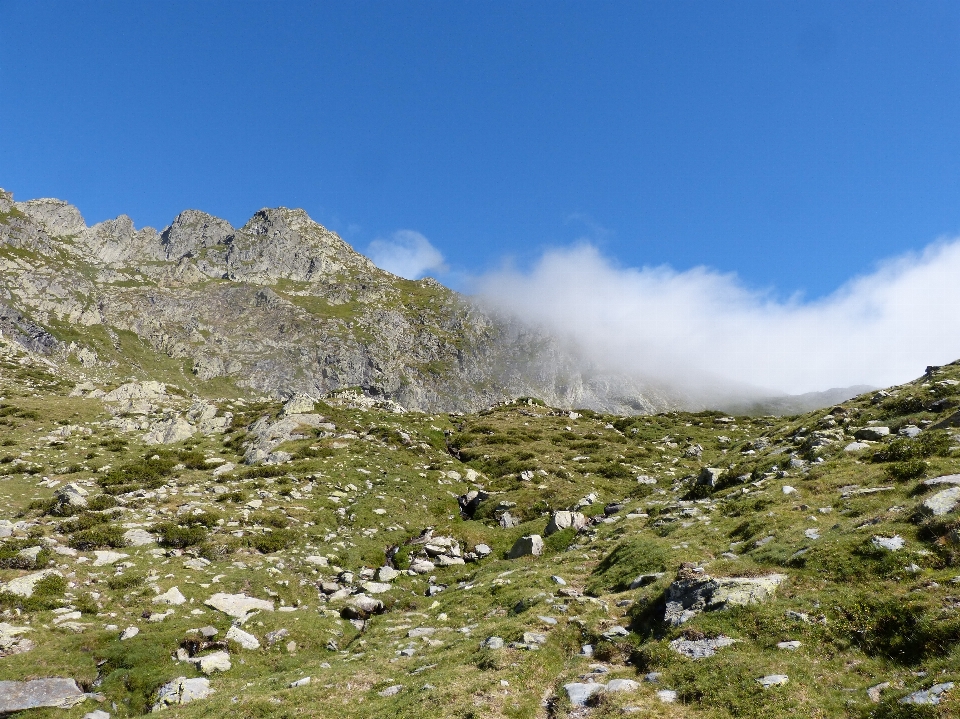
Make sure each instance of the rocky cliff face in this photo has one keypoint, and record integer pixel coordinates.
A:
(280, 306)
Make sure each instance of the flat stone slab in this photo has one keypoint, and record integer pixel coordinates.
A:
(55, 692)
(103, 558)
(238, 605)
(891, 544)
(138, 537)
(944, 479)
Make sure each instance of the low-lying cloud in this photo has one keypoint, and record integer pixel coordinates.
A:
(699, 329)
(407, 254)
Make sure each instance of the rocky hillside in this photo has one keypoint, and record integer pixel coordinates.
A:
(196, 551)
(278, 307)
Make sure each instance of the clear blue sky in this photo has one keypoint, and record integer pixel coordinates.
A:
(795, 143)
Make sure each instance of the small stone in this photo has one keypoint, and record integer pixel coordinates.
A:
(138, 537)
(96, 714)
(792, 645)
(700, 648)
(492, 643)
(129, 633)
(387, 574)
(856, 446)
(812, 533)
(667, 696)
(787, 489)
(299, 683)
(872, 433)
(391, 691)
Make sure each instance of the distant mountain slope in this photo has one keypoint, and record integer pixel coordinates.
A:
(279, 306)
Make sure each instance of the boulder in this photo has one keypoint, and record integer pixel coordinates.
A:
(872, 434)
(622, 685)
(387, 574)
(709, 476)
(215, 662)
(891, 544)
(855, 446)
(298, 404)
(182, 691)
(54, 692)
(73, 495)
(244, 639)
(942, 502)
(565, 520)
(360, 606)
(693, 592)
(531, 544)
(169, 431)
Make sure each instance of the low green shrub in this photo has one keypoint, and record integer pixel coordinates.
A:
(628, 560)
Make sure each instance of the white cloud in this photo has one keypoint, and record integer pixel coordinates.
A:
(407, 254)
(700, 330)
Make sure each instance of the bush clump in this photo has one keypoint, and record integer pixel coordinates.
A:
(274, 541)
(98, 537)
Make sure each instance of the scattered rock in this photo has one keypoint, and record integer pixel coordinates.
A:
(856, 446)
(622, 685)
(792, 645)
(873, 693)
(391, 691)
(360, 606)
(129, 633)
(492, 643)
(299, 683)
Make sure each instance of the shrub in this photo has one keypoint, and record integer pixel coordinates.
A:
(171, 534)
(141, 474)
(103, 535)
(274, 541)
(910, 469)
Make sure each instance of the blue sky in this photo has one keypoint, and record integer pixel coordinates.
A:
(795, 144)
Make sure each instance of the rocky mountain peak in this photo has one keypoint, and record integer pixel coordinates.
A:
(56, 217)
(191, 231)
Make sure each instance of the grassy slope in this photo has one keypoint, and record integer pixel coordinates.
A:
(870, 620)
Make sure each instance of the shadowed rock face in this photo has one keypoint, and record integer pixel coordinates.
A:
(282, 306)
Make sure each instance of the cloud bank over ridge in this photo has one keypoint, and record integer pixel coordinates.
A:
(407, 254)
(707, 334)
